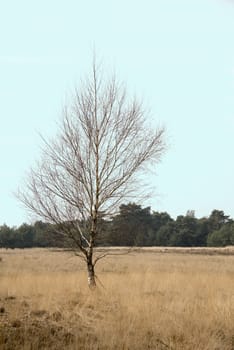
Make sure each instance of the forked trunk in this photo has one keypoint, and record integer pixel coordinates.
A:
(91, 276)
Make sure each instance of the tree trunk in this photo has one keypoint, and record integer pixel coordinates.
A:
(91, 275)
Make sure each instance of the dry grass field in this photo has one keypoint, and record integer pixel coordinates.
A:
(149, 299)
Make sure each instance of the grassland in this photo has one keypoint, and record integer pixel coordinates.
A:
(152, 299)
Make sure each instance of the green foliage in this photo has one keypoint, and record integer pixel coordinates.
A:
(7, 236)
(217, 219)
(164, 234)
(185, 232)
(202, 232)
(132, 226)
(222, 237)
(25, 236)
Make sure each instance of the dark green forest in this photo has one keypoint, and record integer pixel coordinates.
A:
(132, 226)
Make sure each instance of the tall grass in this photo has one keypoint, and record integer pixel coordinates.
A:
(147, 300)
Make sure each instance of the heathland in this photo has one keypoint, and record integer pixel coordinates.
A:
(148, 299)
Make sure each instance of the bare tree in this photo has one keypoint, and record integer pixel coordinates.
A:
(93, 164)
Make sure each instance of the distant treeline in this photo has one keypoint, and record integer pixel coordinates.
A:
(133, 226)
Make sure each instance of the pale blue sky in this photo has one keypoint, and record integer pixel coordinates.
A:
(177, 54)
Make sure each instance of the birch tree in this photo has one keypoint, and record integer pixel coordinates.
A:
(102, 147)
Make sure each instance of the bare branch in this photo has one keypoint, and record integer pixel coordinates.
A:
(94, 163)
(101, 256)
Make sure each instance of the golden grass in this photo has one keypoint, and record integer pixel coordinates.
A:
(145, 300)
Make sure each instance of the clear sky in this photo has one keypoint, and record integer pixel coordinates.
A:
(176, 54)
